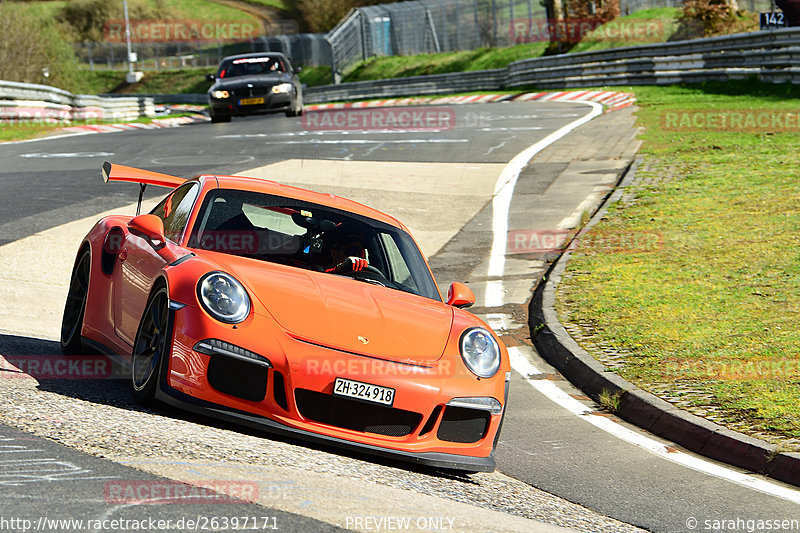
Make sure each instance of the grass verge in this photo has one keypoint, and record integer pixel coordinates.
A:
(690, 286)
(656, 25)
(378, 68)
(32, 130)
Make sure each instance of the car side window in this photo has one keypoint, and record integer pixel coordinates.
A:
(174, 210)
(397, 264)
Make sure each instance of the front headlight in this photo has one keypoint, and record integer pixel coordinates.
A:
(480, 352)
(282, 88)
(223, 297)
(220, 94)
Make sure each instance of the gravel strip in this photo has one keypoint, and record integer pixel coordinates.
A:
(100, 418)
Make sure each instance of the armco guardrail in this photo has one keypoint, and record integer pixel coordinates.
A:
(773, 56)
(26, 101)
(479, 80)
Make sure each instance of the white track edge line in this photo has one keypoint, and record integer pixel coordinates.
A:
(525, 367)
(501, 202)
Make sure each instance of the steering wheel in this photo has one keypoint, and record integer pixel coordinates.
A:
(375, 276)
(370, 268)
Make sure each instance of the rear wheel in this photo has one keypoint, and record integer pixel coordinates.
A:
(75, 307)
(151, 348)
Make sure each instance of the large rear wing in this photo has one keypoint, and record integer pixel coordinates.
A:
(144, 178)
(113, 172)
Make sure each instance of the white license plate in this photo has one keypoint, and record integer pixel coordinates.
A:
(363, 391)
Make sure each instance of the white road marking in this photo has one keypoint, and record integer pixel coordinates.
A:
(68, 154)
(511, 128)
(372, 141)
(501, 203)
(198, 159)
(526, 368)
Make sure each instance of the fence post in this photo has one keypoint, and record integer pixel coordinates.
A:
(530, 16)
(91, 58)
(429, 16)
(510, 15)
(494, 23)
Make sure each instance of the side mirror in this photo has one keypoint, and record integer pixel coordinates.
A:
(298, 70)
(210, 77)
(149, 226)
(459, 295)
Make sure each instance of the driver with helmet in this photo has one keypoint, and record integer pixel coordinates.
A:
(348, 255)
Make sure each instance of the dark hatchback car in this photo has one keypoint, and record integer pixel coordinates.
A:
(254, 83)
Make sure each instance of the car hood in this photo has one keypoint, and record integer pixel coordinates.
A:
(345, 314)
(257, 81)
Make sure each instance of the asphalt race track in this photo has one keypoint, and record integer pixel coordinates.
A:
(554, 468)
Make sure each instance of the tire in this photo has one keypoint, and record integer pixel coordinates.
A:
(297, 108)
(220, 118)
(75, 306)
(150, 349)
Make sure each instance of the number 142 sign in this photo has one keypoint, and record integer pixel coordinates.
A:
(772, 20)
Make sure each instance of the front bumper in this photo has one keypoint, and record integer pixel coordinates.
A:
(295, 396)
(233, 106)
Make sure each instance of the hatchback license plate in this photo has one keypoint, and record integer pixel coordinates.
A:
(251, 101)
(363, 391)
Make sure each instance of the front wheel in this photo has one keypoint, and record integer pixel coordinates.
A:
(297, 107)
(151, 348)
(75, 307)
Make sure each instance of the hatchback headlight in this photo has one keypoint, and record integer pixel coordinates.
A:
(223, 297)
(220, 94)
(480, 352)
(282, 88)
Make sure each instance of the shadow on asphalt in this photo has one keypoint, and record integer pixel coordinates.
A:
(116, 392)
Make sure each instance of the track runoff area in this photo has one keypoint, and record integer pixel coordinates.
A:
(463, 178)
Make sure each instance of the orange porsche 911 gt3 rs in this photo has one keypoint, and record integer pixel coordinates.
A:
(292, 311)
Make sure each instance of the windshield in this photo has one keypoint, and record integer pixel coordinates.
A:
(251, 66)
(305, 235)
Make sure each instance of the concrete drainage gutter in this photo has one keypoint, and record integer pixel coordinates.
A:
(641, 408)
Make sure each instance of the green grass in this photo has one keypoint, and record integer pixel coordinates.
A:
(417, 65)
(657, 24)
(206, 10)
(191, 80)
(19, 132)
(313, 76)
(176, 9)
(707, 316)
(280, 5)
(44, 9)
(22, 131)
